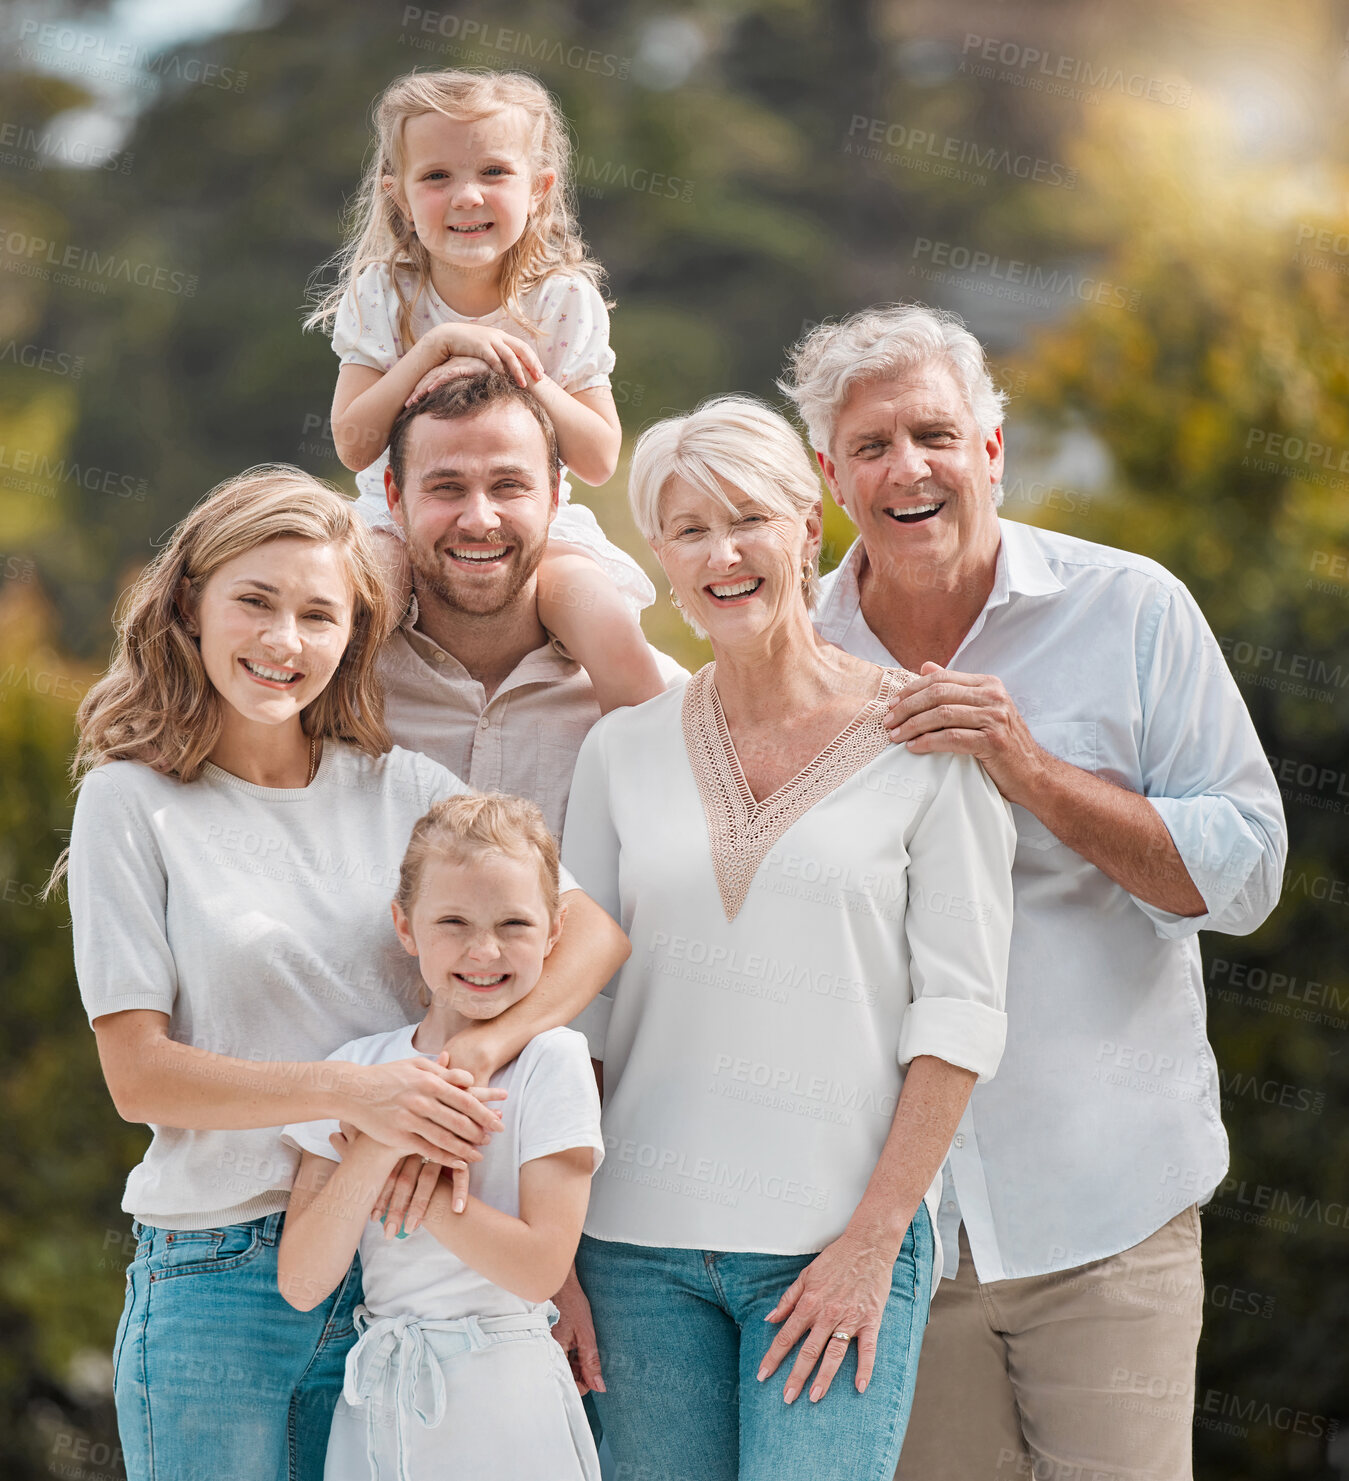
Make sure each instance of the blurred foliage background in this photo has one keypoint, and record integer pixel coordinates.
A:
(1144, 212)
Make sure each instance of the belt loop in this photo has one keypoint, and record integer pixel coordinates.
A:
(477, 1338)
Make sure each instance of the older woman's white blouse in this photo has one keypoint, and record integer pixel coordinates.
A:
(789, 958)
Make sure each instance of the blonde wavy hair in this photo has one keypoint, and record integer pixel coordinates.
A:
(156, 704)
(379, 233)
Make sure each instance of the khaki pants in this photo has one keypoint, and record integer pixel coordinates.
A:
(1083, 1375)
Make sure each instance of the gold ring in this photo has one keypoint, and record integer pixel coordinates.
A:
(841, 1337)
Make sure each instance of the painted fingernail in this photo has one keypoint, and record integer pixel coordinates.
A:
(815, 1394)
(459, 1205)
(862, 1387)
(788, 1395)
(760, 1375)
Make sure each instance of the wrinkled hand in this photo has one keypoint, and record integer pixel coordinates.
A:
(843, 1289)
(575, 1331)
(453, 369)
(944, 710)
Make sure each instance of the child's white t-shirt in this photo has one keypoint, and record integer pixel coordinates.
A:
(571, 339)
(552, 1104)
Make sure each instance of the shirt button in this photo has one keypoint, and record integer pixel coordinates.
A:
(439, 657)
(949, 1207)
(959, 1140)
(483, 723)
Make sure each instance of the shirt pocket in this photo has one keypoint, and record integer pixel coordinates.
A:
(1073, 741)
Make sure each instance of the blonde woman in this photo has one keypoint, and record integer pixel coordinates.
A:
(236, 843)
(819, 924)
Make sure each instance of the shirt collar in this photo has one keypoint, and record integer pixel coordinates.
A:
(1021, 571)
(552, 655)
(1027, 570)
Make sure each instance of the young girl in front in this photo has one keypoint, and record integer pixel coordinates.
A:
(455, 1369)
(465, 257)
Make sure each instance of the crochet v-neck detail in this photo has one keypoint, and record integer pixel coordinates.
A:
(740, 829)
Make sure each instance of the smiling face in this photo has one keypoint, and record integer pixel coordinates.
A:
(476, 505)
(479, 926)
(274, 624)
(737, 574)
(468, 185)
(911, 467)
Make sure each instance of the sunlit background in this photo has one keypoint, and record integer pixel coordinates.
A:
(1142, 210)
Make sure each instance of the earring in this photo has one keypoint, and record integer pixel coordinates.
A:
(807, 571)
(678, 605)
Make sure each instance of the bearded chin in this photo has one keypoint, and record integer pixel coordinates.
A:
(433, 574)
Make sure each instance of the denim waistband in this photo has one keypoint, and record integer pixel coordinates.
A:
(268, 1227)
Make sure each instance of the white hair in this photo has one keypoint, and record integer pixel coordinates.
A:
(734, 442)
(827, 363)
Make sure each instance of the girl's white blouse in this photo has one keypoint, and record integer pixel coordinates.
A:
(753, 1057)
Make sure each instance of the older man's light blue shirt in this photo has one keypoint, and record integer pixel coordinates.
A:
(1103, 1121)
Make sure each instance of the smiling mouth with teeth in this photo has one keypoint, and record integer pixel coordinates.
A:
(273, 676)
(474, 228)
(482, 983)
(479, 557)
(917, 514)
(729, 592)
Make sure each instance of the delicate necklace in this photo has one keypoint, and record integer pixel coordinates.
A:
(313, 760)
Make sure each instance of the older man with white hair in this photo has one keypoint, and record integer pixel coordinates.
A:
(1088, 683)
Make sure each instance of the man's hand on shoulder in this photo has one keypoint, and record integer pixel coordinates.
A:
(972, 714)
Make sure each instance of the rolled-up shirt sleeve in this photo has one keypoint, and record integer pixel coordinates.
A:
(590, 850)
(1207, 776)
(958, 922)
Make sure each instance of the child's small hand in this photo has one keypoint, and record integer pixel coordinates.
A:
(503, 352)
(453, 369)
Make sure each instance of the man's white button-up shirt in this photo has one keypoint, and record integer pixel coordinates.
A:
(1102, 1122)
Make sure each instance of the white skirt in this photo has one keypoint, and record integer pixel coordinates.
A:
(491, 1398)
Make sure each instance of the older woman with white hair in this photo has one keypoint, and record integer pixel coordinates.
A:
(819, 924)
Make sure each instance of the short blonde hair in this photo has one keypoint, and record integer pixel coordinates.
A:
(730, 440)
(825, 365)
(156, 703)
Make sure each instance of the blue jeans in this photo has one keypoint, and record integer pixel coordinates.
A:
(681, 1334)
(215, 1375)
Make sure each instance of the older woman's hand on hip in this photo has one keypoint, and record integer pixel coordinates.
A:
(837, 1299)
